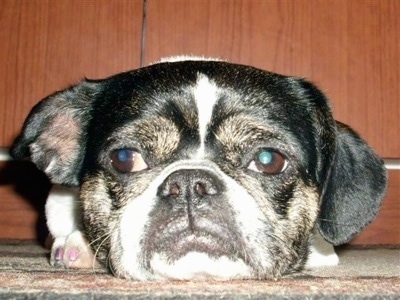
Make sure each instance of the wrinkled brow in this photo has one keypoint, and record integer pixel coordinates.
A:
(240, 130)
(158, 135)
(238, 133)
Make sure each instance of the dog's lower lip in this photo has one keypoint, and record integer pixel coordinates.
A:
(202, 242)
(197, 240)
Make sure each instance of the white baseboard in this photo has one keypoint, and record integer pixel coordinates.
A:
(4, 156)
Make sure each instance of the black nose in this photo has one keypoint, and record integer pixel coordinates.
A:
(193, 187)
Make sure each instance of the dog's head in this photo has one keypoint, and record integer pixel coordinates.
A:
(199, 169)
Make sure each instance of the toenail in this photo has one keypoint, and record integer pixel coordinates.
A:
(73, 254)
(59, 254)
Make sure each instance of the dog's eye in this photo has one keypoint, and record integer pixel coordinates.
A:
(268, 162)
(126, 161)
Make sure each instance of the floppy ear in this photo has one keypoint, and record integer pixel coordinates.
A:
(53, 135)
(353, 190)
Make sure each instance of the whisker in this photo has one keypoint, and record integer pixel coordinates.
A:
(110, 266)
(334, 222)
(104, 238)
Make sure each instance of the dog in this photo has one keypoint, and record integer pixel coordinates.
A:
(192, 169)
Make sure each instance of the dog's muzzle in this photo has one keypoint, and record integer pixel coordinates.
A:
(192, 224)
(193, 216)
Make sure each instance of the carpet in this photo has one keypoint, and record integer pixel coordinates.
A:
(362, 274)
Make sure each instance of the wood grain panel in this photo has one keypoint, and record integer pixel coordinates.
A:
(47, 45)
(351, 49)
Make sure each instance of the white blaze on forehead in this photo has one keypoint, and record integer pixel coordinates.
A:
(205, 94)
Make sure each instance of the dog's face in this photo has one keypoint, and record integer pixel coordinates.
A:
(204, 169)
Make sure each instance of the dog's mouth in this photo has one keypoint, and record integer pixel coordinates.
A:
(179, 244)
(200, 253)
(211, 245)
(214, 240)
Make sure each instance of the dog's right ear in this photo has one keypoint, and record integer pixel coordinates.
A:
(53, 135)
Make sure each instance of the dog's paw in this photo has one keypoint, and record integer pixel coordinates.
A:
(322, 253)
(72, 251)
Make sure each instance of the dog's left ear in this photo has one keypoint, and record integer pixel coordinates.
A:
(352, 178)
(353, 190)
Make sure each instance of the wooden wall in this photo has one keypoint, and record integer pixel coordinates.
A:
(351, 49)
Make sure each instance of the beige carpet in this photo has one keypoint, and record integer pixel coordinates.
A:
(362, 274)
